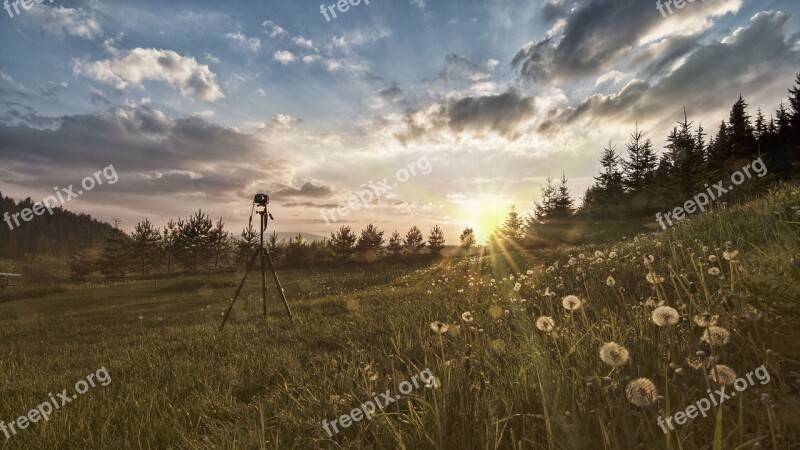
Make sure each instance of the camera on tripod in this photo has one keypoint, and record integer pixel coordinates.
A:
(261, 200)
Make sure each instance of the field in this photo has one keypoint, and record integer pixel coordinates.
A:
(504, 379)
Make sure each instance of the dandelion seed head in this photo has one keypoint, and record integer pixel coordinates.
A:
(722, 375)
(439, 327)
(610, 281)
(571, 303)
(716, 336)
(642, 392)
(705, 320)
(545, 323)
(713, 271)
(614, 354)
(467, 316)
(665, 316)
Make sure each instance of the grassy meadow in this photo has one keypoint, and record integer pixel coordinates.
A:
(507, 378)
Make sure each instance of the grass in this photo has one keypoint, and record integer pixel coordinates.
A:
(503, 384)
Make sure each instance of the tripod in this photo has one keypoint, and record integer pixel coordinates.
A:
(265, 256)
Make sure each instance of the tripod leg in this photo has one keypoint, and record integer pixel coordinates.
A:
(264, 282)
(239, 289)
(280, 288)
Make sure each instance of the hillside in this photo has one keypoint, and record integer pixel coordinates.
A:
(513, 367)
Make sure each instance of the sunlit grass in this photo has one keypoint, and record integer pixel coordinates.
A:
(504, 383)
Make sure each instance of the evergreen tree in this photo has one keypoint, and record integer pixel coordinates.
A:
(168, 247)
(513, 228)
(370, 240)
(113, 257)
(641, 163)
(436, 240)
(194, 242)
(144, 246)
(219, 240)
(467, 239)
(742, 140)
(248, 243)
(395, 243)
(414, 240)
(343, 241)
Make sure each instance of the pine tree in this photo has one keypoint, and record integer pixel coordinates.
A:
(168, 248)
(641, 163)
(113, 257)
(247, 244)
(513, 228)
(343, 241)
(395, 243)
(467, 239)
(414, 240)
(194, 241)
(436, 240)
(144, 245)
(742, 135)
(219, 240)
(370, 240)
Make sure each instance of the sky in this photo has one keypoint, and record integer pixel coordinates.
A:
(458, 108)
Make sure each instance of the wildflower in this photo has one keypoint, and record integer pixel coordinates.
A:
(545, 324)
(572, 261)
(529, 272)
(730, 254)
(653, 278)
(705, 320)
(716, 336)
(517, 286)
(610, 281)
(467, 317)
(665, 316)
(649, 259)
(722, 375)
(439, 327)
(598, 254)
(712, 258)
(612, 255)
(432, 383)
(614, 354)
(141, 317)
(571, 303)
(642, 392)
(713, 271)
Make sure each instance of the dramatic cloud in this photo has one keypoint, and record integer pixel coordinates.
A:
(499, 115)
(141, 64)
(594, 35)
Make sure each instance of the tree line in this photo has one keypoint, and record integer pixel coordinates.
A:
(199, 244)
(633, 186)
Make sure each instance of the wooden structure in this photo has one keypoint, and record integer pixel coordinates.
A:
(10, 279)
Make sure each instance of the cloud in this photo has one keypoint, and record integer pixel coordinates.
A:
(309, 190)
(753, 57)
(141, 64)
(273, 29)
(501, 115)
(253, 43)
(589, 37)
(64, 21)
(153, 153)
(284, 57)
(459, 67)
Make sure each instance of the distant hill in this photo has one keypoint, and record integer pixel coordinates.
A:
(59, 234)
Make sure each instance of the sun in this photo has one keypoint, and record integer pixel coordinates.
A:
(483, 213)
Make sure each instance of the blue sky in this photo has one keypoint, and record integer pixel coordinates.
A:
(202, 104)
